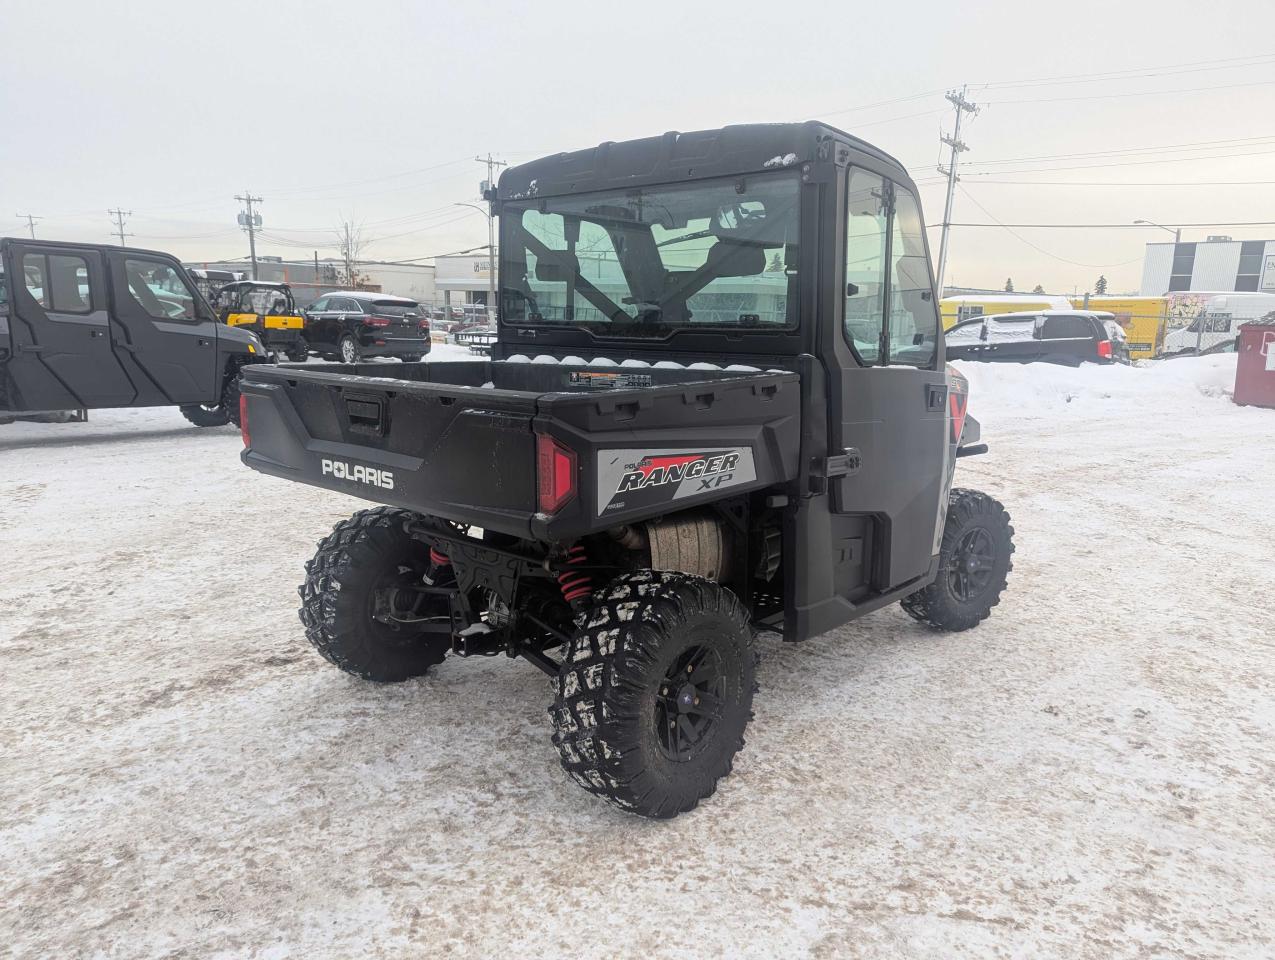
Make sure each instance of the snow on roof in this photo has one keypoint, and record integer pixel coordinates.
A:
(366, 295)
(1022, 316)
(1061, 302)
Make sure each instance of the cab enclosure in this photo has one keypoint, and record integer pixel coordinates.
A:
(85, 326)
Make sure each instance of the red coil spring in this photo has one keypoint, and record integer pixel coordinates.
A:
(438, 559)
(575, 584)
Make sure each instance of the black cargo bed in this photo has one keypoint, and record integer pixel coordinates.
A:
(457, 439)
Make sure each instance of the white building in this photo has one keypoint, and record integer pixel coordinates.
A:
(462, 279)
(1218, 263)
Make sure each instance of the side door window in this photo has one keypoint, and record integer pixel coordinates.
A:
(866, 225)
(913, 319)
(319, 305)
(159, 290)
(58, 282)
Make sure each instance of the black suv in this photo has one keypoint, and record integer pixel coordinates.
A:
(349, 325)
(1068, 337)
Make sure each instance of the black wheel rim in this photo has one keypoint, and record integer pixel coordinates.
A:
(689, 702)
(973, 561)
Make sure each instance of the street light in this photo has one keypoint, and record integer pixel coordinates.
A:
(491, 258)
(1177, 234)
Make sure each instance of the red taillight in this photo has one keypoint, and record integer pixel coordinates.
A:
(555, 473)
(243, 421)
(376, 322)
(1104, 349)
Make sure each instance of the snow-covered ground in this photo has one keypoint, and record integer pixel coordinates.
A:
(1091, 773)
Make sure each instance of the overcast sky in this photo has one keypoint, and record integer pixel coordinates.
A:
(373, 111)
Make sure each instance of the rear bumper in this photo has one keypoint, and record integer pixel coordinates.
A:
(391, 346)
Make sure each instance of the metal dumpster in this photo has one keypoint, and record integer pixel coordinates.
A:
(1255, 371)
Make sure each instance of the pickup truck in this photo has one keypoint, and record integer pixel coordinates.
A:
(717, 405)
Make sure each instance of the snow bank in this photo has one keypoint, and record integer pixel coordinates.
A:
(1008, 392)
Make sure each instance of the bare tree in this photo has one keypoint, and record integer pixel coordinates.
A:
(352, 240)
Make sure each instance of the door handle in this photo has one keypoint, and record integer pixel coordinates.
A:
(935, 397)
(95, 333)
(202, 342)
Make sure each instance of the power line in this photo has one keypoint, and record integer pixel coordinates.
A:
(1137, 73)
(1168, 148)
(1119, 183)
(1009, 228)
(1092, 226)
(1143, 93)
(119, 216)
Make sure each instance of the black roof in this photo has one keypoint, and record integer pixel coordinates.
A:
(76, 245)
(674, 156)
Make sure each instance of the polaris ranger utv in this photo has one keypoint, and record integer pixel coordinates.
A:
(90, 326)
(718, 404)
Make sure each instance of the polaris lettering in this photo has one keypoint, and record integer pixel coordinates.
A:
(339, 469)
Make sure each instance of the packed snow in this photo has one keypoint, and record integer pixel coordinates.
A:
(1090, 773)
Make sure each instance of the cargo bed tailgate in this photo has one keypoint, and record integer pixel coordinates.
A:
(453, 451)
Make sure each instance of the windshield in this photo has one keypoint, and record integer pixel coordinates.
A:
(266, 301)
(643, 262)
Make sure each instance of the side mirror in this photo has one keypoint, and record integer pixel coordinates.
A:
(852, 289)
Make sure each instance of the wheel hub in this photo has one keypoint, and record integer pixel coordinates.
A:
(687, 699)
(689, 702)
(970, 571)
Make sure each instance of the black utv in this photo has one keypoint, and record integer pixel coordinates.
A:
(89, 326)
(718, 405)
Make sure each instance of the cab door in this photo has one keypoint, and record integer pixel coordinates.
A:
(163, 332)
(888, 399)
(59, 331)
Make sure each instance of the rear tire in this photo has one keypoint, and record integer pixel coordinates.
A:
(298, 352)
(361, 556)
(411, 357)
(349, 350)
(974, 564)
(655, 690)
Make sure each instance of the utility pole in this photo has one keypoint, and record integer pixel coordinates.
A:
(251, 221)
(30, 219)
(119, 216)
(963, 107)
(349, 255)
(489, 183)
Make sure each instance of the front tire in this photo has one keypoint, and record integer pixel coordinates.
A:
(974, 564)
(342, 599)
(205, 415)
(218, 415)
(655, 690)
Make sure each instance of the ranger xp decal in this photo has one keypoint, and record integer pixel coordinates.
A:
(630, 479)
